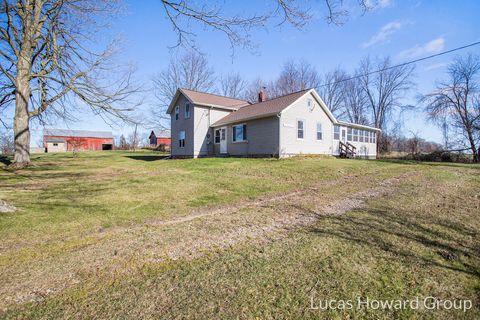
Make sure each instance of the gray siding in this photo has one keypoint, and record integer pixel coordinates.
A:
(182, 124)
(262, 139)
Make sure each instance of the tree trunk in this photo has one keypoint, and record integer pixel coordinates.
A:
(21, 133)
(21, 128)
(473, 147)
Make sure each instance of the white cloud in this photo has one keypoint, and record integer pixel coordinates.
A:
(378, 4)
(384, 33)
(431, 47)
(384, 3)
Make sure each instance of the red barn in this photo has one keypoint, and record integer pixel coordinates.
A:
(62, 140)
(158, 137)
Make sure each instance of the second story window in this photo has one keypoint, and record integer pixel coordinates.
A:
(187, 110)
(177, 112)
(336, 132)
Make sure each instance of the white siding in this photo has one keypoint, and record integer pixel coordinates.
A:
(204, 117)
(60, 147)
(289, 144)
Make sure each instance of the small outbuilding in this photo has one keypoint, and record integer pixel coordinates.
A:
(160, 137)
(63, 140)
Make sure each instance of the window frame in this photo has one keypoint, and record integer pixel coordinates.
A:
(186, 114)
(304, 124)
(215, 136)
(349, 134)
(244, 133)
(355, 135)
(360, 135)
(181, 141)
(177, 112)
(336, 133)
(319, 124)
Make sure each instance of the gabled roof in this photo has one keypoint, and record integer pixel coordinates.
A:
(208, 100)
(261, 109)
(160, 133)
(77, 133)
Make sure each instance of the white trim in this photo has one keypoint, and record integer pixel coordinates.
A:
(316, 131)
(180, 91)
(359, 126)
(303, 129)
(235, 125)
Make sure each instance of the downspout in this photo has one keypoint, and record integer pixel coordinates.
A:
(279, 116)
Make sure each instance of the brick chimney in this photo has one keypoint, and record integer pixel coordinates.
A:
(262, 95)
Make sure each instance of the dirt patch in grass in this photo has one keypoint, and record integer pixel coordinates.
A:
(122, 251)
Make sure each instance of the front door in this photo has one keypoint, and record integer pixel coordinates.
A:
(223, 140)
(344, 136)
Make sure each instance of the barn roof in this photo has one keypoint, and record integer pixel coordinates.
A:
(160, 133)
(77, 133)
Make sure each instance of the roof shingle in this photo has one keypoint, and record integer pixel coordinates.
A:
(261, 109)
(210, 99)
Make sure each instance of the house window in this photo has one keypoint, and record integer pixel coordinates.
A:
(217, 136)
(181, 139)
(336, 132)
(360, 135)
(300, 129)
(349, 134)
(310, 104)
(365, 135)
(374, 137)
(187, 110)
(177, 112)
(370, 136)
(239, 133)
(355, 135)
(319, 131)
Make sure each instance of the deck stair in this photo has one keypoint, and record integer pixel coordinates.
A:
(347, 150)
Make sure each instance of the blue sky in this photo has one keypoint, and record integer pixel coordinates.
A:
(403, 30)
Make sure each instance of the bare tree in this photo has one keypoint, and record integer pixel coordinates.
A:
(45, 66)
(332, 91)
(232, 85)
(355, 102)
(384, 87)
(6, 142)
(295, 76)
(190, 71)
(251, 91)
(456, 103)
(186, 16)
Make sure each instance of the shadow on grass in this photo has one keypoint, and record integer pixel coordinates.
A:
(475, 166)
(147, 158)
(415, 241)
(5, 160)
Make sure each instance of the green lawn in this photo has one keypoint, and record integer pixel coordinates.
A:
(89, 239)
